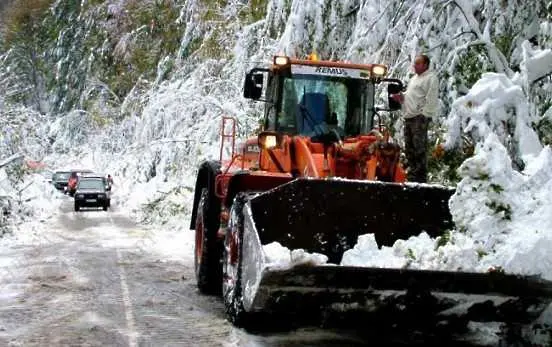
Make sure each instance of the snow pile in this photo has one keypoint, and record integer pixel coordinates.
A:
(158, 202)
(536, 63)
(278, 256)
(37, 197)
(502, 218)
(401, 255)
(32, 198)
(507, 214)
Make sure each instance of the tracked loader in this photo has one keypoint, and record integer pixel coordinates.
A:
(322, 171)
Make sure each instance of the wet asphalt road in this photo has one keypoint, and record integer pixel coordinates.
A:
(87, 279)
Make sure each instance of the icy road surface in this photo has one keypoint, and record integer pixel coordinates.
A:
(86, 279)
(93, 278)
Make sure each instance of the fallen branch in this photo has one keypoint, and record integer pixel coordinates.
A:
(9, 160)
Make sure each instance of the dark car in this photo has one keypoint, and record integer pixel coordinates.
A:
(60, 179)
(92, 192)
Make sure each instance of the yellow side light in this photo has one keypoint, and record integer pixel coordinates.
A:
(281, 60)
(379, 70)
(313, 56)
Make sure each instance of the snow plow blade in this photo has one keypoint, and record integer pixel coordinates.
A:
(327, 216)
(393, 295)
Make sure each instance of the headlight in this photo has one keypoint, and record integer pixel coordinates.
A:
(268, 140)
(101, 196)
(379, 70)
(281, 60)
(79, 196)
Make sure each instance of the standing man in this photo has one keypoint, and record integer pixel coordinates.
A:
(419, 107)
(109, 181)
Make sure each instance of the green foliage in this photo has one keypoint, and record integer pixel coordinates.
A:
(25, 41)
(213, 43)
(544, 126)
(483, 176)
(73, 52)
(57, 48)
(443, 239)
(497, 188)
(212, 9)
(16, 172)
(98, 117)
(481, 253)
(155, 34)
(254, 11)
(193, 46)
(504, 43)
(410, 254)
(23, 18)
(500, 208)
(473, 62)
(445, 169)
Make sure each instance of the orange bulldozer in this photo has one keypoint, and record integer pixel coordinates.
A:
(321, 172)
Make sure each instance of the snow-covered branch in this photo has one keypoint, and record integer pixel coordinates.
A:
(495, 56)
(11, 159)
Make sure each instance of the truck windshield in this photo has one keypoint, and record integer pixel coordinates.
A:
(61, 176)
(308, 101)
(87, 183)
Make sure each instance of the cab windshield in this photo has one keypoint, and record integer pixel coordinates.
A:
(311, 102)
(61, 176)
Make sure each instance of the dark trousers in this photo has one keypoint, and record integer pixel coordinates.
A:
(415, 147)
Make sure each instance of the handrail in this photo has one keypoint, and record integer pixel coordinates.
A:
(231, 136)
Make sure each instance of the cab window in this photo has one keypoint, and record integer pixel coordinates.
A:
(310, 100)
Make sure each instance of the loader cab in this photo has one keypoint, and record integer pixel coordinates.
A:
(306, 97)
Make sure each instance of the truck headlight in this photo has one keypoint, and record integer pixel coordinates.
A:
(269, 140)
(281, 60)
(379, 71)
(79, 196)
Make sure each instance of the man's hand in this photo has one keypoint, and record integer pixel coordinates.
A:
(438, 151)
(398, 97)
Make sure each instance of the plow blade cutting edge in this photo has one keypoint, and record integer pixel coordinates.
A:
(327, 216)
